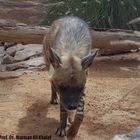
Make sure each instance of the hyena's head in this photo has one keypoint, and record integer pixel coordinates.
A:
(69, 76)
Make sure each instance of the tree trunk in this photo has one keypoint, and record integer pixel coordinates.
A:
(109, 41)
(116, 41)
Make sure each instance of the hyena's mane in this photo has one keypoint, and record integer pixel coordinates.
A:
(72, 37)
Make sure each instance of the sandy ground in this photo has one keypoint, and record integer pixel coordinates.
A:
(112, 102)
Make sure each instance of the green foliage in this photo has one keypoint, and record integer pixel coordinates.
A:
(97, 13)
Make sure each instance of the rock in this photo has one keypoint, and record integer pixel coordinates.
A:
(8, 44)
(12, 50)
(1, 60)
(28, 64)
(7, 59)
(2, 53)
(121, 137)
(7, 75)
(35, 62)
(2, 68)
(31, 50)
(21, 57)
(133, 135)
(2, 50)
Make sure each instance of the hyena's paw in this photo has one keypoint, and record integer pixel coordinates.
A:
(61, 132)
(54, 102)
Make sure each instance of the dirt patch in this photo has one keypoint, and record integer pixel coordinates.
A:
(112, 102)
(25, 11)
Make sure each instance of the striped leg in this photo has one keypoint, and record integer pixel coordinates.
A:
(73, 130)
(54, 98)
(61, 131)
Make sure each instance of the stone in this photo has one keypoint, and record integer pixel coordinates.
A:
(7, 59)
(30, 50)
(121, 137)
(8, 44)
(133, 135)
(2, 50)
(28, 64)
(2, 68)
(12, 50)
(2, 53)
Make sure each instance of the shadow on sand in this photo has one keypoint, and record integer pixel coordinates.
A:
(37, 123)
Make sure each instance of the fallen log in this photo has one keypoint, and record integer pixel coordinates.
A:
(21, 33)
(116, 41)
(109, 41)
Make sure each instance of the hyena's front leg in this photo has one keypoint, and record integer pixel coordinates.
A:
(54, 98)
(61, 131)
(73, 130)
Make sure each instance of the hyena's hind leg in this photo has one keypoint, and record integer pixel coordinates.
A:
(54, 98)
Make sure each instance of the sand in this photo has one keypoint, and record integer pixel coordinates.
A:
(112, 102)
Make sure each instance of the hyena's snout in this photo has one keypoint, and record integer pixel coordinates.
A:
(71, 98)
(72, 105)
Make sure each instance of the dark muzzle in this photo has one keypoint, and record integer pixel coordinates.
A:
(72, 106)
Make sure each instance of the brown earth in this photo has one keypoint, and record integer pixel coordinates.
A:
(112, 102)
(25, 11)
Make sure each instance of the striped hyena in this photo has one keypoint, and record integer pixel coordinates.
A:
(68, 55)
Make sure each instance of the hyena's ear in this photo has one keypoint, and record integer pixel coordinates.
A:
(54, 58)
(87, 60)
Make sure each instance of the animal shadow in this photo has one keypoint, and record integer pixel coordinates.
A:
(37, 123)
